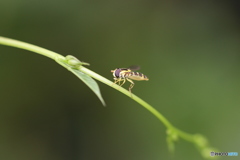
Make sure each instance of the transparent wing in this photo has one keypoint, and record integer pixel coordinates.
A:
(134, 67)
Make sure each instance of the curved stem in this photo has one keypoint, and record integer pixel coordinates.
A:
(29, 47)
(56, 57)
(160, 117)
(127, 93)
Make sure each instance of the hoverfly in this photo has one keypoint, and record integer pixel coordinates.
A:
(123, 74)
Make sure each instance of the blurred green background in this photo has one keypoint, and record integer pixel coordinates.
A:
(189, 50)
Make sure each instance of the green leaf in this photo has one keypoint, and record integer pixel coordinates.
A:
(89, 81)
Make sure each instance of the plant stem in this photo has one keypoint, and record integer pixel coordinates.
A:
(168, 125)
(56, 57)
(29, 47)
(127, 93)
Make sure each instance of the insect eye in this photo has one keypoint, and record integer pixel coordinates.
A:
(117, 72)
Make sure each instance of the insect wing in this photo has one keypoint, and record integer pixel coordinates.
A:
(134, 67)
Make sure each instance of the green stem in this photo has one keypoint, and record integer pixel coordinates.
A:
(127, 93)
(56, 56)
(186, 136)
(29, 47)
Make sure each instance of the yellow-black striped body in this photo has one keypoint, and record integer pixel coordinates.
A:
(123, 74)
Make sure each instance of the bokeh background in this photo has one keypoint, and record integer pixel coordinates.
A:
(189, 50)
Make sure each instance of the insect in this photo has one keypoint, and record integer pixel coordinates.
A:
(123, 74)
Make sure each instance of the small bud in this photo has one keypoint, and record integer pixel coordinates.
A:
(73, 61)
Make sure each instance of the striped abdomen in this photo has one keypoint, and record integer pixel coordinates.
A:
(135, 76)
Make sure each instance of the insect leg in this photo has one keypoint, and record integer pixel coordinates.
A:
(131, 86)
(119, 82)
(124, 80)
(116, 81)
